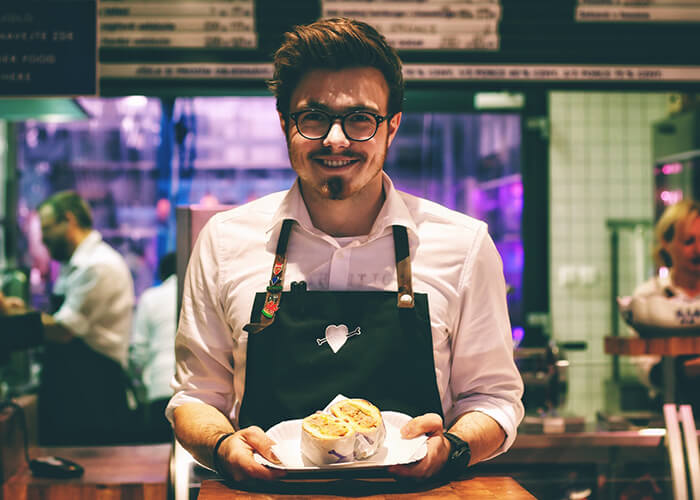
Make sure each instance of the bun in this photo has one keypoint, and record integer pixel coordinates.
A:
(326, 439)
(366, 420)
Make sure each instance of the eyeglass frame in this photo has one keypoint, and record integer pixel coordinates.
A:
(379, 118)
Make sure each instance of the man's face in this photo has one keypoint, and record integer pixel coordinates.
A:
(685, 247)
(336, 167)
(54, 235)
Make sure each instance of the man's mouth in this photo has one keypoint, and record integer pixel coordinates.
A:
(335, 162)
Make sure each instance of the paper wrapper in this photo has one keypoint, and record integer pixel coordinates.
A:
(366, 442)
(323, 451)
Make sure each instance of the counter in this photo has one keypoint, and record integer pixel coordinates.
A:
(111, 473)
(496, 487)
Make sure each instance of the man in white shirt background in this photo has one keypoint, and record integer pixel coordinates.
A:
(343, 249)
(152, 350)
(83, 390)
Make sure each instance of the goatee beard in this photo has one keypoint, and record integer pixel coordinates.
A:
(335, 188)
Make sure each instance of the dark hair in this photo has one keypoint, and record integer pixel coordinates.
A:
(63, 202)
(166, 266)
(335, 44)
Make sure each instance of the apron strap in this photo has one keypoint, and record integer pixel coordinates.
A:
(403, 268)
(273, 295)
(274, 288)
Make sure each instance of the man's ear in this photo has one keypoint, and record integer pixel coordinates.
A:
(71, 218)
(393, 125)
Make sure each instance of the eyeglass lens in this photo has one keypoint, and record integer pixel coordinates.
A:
(356, 125)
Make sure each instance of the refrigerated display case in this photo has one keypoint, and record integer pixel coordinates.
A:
(676, 141)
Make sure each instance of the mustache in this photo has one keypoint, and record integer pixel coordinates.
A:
(328, 152)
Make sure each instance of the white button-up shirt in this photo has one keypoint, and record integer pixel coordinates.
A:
(99, 297)
(453, 259)
(152, 350)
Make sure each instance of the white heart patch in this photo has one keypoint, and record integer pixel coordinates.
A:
(336, 336)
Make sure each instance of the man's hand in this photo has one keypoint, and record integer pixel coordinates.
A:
(11, 305)
(54, 331)
(438, 447)
(235, 455)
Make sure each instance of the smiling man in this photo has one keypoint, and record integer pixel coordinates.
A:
(271, 283)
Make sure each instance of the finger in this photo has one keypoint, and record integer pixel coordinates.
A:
(417, 471)
(428, 466)
(260, 442)
(429, 423)
(248, 468)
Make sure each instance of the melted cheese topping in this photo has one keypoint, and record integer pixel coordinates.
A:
(358, 415)
(327, 425)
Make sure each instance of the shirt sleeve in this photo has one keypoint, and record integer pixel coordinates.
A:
(139, 349)
(87, 293)
(484, 376)
(204, 342)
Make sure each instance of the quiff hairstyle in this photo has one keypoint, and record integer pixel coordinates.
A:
(334, 44)
(63, 202)
(666, 228)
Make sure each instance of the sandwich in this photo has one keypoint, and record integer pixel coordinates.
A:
(366, 421)
(327, 439)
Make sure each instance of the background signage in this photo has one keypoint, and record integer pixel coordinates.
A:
(48, 48)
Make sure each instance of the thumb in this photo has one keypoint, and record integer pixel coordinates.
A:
(430, 423)
(260, 442)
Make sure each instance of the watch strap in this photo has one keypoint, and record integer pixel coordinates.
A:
(460, 455)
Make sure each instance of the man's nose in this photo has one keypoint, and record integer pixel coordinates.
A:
(335, 138)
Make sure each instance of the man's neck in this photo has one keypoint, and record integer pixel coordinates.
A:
(77, 237)
(349, 217)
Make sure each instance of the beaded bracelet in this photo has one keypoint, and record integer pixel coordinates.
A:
(218, 444)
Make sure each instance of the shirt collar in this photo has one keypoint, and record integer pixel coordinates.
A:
(85, 247)
(393, 212)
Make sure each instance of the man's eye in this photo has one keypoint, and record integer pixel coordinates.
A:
(313, 116)
(360, 118)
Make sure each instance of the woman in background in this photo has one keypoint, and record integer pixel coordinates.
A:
(677, 249)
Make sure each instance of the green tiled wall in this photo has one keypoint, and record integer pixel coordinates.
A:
(600, 168)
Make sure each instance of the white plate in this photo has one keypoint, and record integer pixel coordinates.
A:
(395, 450)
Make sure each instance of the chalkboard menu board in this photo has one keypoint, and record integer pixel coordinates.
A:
(48, 47)
(222, 46)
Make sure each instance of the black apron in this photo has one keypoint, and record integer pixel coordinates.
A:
(82, 395)
(386, 354)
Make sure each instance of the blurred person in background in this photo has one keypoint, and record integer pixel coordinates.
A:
(677, 248)
(152, 350)
(83, 388)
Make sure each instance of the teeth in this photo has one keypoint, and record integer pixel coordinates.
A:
(336, 163)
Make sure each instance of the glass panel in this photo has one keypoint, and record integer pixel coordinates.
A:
(469, 162)
(133, 170)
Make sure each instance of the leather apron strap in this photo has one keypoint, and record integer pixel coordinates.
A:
(273, 297)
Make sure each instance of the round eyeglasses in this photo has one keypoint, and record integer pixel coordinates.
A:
(358, 126)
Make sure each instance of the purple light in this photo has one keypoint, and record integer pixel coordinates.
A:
(516, 190)
(672, 168)
(671, 197)
(518, 334)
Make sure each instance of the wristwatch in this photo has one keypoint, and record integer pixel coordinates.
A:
(460, 454)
